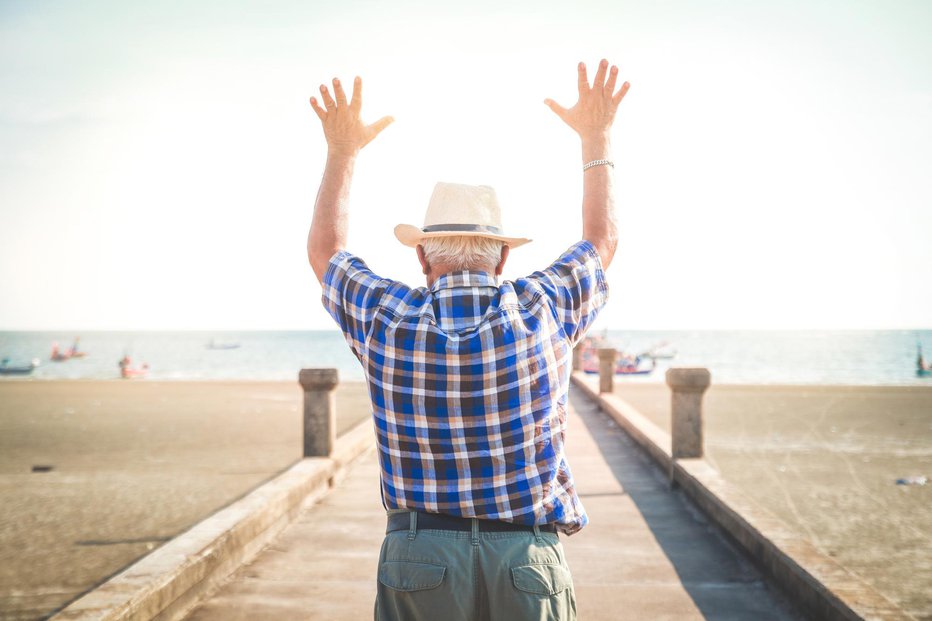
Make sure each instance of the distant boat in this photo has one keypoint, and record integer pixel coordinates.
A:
(128, 371)
(622, 367)
(214, 345)
(625, 364)
(73, 352)
(661, 351)
(923, 368)
(6, 369)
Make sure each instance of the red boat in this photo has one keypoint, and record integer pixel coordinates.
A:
(60, 356)
(127, 371)
(625, 364)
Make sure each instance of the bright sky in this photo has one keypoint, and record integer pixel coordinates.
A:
(160, 161)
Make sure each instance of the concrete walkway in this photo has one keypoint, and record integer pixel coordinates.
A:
(646, 554)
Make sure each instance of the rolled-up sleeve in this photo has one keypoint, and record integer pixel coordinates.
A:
(576, 287)
(352, 295)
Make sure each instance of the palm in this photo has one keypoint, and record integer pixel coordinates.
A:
(594, 112)
(341, 120)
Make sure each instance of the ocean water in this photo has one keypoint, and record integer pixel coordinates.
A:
(734, 357)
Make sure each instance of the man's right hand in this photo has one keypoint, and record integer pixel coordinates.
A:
(344, 130)
(594, 112)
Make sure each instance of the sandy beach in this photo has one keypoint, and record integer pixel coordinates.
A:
(133, 464)
(825, 459)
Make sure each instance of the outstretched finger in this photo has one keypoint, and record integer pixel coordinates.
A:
(338, 91)
(321, 113)
(583, 80)
(328, 100)
(621, 93)
(612, 77)
(599, 82)
(356, 101)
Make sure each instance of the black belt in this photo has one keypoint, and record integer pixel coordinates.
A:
(438, 521)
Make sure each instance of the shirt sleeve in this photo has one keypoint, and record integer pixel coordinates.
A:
(352, 295)
(576, 287)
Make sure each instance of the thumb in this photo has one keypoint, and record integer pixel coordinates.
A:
(377, 127)
(559, 110)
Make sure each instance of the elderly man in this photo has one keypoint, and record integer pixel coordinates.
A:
(468, 377)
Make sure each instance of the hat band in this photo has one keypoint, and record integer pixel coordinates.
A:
(466, 228)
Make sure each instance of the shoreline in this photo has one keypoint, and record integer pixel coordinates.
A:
(619, 382)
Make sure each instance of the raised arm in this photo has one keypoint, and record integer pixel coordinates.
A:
(592, 119)
(346, 134)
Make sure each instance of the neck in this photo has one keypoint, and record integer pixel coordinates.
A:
(436, 271)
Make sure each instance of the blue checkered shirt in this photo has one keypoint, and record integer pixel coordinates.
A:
(469, 380)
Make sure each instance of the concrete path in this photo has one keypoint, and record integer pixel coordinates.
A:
(646, 554)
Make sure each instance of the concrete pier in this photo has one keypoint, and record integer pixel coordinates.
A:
(646, 554)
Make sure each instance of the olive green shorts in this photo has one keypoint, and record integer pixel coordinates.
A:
(426, 575)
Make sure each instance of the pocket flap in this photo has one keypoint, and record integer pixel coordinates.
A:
(541, 579)
(410, 576)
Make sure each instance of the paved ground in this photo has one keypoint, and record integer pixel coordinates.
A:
(647, 554)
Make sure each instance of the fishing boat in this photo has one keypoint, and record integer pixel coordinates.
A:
(923, 367)
(625, 364)
(213, 345)
(661, 351)
(128, 371)
(622, 367)
(6, 369)
(72, 352)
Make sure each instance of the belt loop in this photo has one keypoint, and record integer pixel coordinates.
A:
(537, 534)
(475, 531)
(412, 528)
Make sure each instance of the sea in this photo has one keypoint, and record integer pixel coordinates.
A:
(867, 357)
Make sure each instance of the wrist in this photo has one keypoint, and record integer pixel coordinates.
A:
(341, 155)
(596, 147)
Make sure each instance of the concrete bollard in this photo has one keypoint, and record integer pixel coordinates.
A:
(320, 412)
(687, 386)
(607, 357)
(577, 356)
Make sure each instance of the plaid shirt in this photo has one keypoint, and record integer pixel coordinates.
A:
(469, 382)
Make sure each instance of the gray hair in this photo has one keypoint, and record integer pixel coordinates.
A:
(464, 252)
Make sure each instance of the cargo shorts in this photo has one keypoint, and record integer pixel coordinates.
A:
(426, 575)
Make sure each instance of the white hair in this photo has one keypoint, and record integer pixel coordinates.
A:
(464, 252)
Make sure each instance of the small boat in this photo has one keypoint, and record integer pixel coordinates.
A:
(73, 352)
(6, 369)
(923, 368)
(622, 367)
(661, 351)
(213, 345)
(128, 371)
(625, 364)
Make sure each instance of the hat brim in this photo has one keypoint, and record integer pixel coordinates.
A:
(411, 236)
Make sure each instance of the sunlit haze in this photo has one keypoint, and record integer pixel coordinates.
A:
(160, 160)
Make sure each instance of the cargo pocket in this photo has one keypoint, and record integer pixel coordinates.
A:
(411, 576)
(541, 579)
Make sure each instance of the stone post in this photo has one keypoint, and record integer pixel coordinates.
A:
(607, 357)
(320, 412)
(687, 386)
(577, 356)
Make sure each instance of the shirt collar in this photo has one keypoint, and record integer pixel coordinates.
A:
(464, 278)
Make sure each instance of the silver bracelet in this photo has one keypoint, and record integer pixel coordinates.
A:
(598, 163)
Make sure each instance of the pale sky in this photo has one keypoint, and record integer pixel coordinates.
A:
(159, 162)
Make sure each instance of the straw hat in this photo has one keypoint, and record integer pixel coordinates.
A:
(456, 209)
